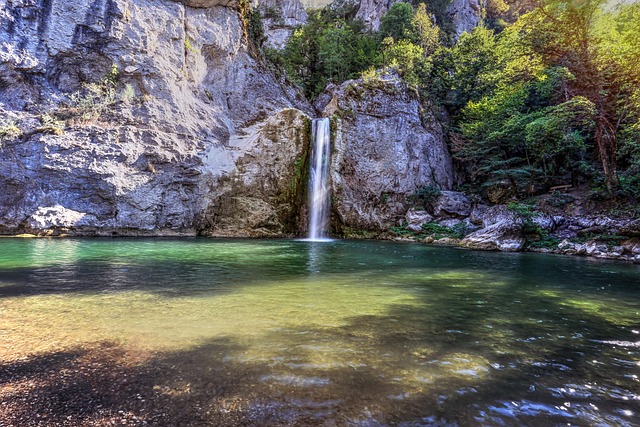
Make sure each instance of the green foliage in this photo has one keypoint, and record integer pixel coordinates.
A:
(405, 58)
(433, 229)
(402, 231)
(424, 32)
(50, 124)
(545, 242)
(538, 96)
(92, 101)
(439, 231)
(255, 28)
(9, 130)
(128, 94)
(188, 46)
(397, 22)
(326, 49)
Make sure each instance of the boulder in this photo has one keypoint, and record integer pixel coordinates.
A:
(452, 204)
(632, 246)
(502, 230)
(544, 221)
(499, 214)
(415, 219)
(477, 213)
(503, 236)
(450, 222)
(500, 192)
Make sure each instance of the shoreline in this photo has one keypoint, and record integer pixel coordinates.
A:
(588, 249)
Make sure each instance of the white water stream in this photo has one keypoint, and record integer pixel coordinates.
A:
(319, 180)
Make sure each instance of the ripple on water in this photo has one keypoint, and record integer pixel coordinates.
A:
(296, 380)
(344, 333)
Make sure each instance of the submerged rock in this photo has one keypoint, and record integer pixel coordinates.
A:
(386, 146)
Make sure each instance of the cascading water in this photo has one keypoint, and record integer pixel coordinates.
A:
(319, 180)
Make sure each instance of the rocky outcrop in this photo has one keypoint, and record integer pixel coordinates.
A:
(454, 219)
(502, 231)
(386, 146)
(186, 121)
(370, 12)
(462, 15)
(416, 218)
(280, 17)
(503, 236)
(452, 204)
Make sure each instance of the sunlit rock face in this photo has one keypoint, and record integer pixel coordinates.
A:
(279, 18)
(371, 11)
(199, 113)
(502, 231)
(464, 15)
(386, 146)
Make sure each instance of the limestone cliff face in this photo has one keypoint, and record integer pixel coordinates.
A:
(193, 121)
(280, 17)
(464, 15)
(370, 12)
(386, 146)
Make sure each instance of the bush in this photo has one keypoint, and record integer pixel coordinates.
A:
(9, 130)
(49, 124)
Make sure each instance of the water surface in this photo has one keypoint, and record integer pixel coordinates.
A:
(336, 333)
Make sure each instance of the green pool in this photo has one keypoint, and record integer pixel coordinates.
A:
(286, 332)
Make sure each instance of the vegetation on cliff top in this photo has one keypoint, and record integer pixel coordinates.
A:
(541, 94)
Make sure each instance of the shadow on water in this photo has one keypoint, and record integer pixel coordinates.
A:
(466, 382)
(488, 339)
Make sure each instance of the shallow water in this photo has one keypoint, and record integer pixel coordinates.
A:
(344, 332)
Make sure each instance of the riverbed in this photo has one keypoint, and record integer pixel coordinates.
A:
(290, 332)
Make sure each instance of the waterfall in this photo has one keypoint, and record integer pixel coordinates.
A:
(319, 180)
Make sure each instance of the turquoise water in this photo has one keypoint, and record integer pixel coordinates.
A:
(340, 333)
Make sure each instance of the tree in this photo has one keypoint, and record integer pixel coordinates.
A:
(473, 59)
(396, 22)
(424, 32)
(565, 33)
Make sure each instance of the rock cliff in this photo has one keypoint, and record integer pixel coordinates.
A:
(280, 17)
(386, 146)
(179, 121)
(464, 15)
